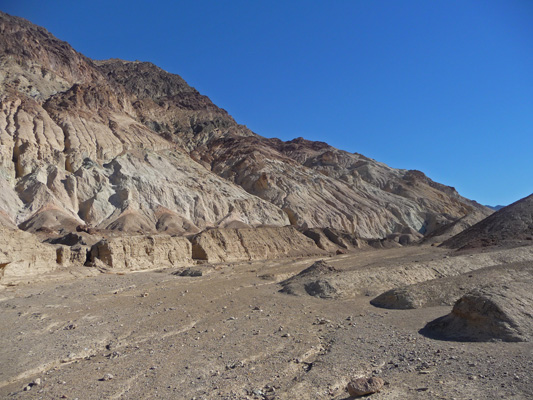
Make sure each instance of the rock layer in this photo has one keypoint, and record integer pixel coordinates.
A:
(142, 252)
(228, 245)
(23, 257)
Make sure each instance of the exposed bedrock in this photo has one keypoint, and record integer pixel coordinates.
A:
(23, 258)
(129, 147)
(142, 252)
(227, 245)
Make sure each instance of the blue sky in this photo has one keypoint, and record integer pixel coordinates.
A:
(445, 87)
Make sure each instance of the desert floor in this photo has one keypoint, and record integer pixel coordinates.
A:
(230, 334)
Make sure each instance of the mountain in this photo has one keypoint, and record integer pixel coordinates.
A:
(512, 225)
(495, 208)
(126, 146)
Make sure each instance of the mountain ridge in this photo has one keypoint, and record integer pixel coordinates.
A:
(75, 134)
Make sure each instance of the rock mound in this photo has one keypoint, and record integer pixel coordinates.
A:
(490, 314)
(312, 281)
(447, 290)
(512, 225)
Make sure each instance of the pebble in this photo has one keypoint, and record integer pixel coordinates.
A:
(107, 377)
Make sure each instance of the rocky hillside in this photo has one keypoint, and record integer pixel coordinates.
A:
(512, 225)
(126, 146)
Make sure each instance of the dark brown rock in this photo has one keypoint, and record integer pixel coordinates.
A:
(364, 386)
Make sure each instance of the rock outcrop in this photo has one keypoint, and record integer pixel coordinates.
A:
(129, 147)
(494, 313)
(23, 258)
(446, 291)
(229, 245)
(135, 253)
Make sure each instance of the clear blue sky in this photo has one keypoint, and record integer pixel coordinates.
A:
(445, 87)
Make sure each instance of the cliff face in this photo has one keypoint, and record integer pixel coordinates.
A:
(127, 146)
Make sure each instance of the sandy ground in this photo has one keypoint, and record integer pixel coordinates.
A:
(230, 334)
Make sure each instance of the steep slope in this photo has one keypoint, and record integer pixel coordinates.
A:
(71, 149)
(314, 183)
(511, 225)
(127, 146)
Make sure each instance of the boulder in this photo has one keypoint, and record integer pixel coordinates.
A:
(494, 313)
(364, 386)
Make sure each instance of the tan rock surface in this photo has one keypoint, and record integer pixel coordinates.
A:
(23, 257)
(135, 253)
(228, 245)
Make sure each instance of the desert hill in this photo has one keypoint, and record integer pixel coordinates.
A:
(126, 146)
(511, 225)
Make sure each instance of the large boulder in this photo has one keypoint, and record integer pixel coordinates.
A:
(494, 313)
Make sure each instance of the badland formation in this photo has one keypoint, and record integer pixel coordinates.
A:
(270, 269)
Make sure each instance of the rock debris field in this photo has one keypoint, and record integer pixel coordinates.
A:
(230, 331)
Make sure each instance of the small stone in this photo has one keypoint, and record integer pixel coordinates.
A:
(36, 382)
(107, 377)
(364, 386)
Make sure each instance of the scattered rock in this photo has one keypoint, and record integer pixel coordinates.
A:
(190, 272)
(107, 377)
(364, 386)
